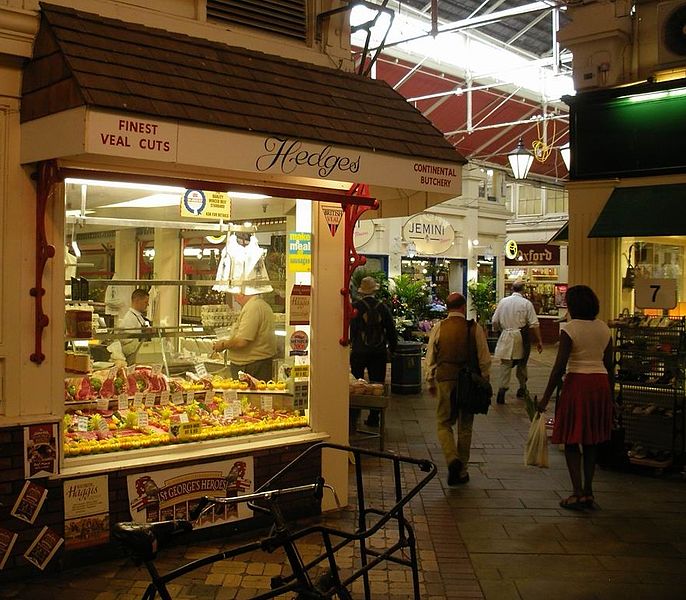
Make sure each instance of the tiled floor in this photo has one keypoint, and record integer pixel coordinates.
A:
(500, 537)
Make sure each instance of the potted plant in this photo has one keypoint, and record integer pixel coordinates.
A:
(409, 302)
(482, 296)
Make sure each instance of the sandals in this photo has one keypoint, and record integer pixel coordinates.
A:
(573, 503)
(587, 501)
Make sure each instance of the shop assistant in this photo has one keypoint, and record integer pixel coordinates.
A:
(134, 319)
(252, 347)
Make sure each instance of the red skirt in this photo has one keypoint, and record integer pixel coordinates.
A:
(583, 414)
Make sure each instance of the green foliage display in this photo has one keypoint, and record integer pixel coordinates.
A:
(482, 296)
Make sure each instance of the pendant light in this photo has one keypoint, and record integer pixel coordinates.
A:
(520, 160)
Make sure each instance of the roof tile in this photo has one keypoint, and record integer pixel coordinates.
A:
(126, 66)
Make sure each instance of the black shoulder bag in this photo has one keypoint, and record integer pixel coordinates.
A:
(473, 393)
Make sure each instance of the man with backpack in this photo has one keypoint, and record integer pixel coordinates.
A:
(447, 352)
(372, 332)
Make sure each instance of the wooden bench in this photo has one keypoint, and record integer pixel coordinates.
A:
(368, 401)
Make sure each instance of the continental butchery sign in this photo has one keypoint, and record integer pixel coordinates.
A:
(173, 493)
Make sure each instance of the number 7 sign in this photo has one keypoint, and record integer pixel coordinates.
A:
(656, 293)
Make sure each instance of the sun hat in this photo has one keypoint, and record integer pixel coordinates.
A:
(368, 286)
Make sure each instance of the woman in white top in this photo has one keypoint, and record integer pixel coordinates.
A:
(583, 414)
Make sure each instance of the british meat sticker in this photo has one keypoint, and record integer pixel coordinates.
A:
(29, 502)
(43, 548)
(333, 214)
(40, 450)
(7, 539)
(173, 493)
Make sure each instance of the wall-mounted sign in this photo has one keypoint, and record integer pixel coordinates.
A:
(430, 234)
(333, 214)
(173, 493)
(534, 255)
(363, 233)
(40, 450)
(299, 252)
(199, 204)
(511, 249)
(131, 137)
(655, 293)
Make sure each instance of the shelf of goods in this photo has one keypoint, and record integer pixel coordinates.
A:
(139, 407)
(650, 356)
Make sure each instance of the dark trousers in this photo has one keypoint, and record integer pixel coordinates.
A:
(375, 363)
(259, 369)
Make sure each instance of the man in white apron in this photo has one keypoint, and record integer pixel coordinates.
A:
(516, 319)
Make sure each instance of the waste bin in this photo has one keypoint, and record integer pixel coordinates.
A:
(406, 368)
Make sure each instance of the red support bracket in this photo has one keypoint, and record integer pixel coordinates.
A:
(359, 202)
(47, 176)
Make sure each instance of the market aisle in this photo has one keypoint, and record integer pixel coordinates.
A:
(500, 537)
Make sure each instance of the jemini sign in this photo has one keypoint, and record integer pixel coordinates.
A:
(431, 234)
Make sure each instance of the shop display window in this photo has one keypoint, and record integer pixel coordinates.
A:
(174, 387)
(540, 287)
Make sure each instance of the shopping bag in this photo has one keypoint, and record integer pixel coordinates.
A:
(536, 452)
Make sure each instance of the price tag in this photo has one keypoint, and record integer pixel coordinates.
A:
(230, 396)
(130, 369)
(102, 425)
(185, 429)
(655, 293)
(177, 398)
(82, 424)
(201, 370)
(237, 407)
(228, 412)
(209, 396)
(190, 397)
(149, 400)
(138, 400)
(164, 398)
(112, 373)
(103, 403)
(183, 418)
(266, 402)
(156, 369)
(142, 419)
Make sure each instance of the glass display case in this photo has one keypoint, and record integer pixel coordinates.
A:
(540, 287)
(175, 388)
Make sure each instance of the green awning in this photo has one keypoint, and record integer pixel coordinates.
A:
(651, 210)
(561, 235)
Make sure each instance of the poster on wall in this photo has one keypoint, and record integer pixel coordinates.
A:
(86, 512)
(40, 450)
(7, 540)
(29, 502)
(43, 548)
(173, 493)
(299, 313)
(201, 204)
(299, 252)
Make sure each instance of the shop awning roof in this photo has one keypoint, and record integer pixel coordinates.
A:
(653, 210)
(83, 59)
(561, 236)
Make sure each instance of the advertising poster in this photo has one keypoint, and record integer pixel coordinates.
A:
(300, 305)
(29, 502)
(173, 493)
(7, 539)
(40, 450)
(43, 548)
(299, 252)
(86, 512)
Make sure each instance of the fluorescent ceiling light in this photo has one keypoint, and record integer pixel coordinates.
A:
(152, 201)
(124, 185)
